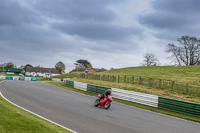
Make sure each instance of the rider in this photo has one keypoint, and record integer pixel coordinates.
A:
(108, 92)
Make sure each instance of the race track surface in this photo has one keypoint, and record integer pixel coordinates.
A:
(76, 111)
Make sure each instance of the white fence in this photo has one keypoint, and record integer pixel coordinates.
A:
(15, 77)
(141, 98)
(56, 80)
(80, 86)
(27, 78)
(2, 77)
(136, 97)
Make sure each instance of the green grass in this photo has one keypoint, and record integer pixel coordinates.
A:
(186, 74)
(41, 79)
(1, 80)
(16, 120)
(187, 117)
(13, 75)
(66, 75)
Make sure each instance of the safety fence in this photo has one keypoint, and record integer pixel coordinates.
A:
(142, 98)
(136, 97)
(18, 78)
(172, 86)
(179, 106)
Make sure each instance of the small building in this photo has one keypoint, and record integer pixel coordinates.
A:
(88, 69)
(11, 70)
(41, 72)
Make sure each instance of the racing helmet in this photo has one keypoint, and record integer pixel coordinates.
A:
(109, 90)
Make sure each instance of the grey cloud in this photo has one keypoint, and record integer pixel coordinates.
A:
(11, 13)
(173, 18)
(177, 6)
(81, 10)
(86, 18)
(97, 31)
(79, 29)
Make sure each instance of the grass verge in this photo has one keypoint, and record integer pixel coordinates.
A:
(187, 117)
(16, 120)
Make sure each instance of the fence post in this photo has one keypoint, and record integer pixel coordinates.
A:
(140, 80)
(160, 83)
(133, 79)
(108, 78)
(125, 79)
(186, 88)
(172, 85)
(118, 78)
(150, 82)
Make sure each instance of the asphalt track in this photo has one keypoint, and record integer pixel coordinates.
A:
(76, 111)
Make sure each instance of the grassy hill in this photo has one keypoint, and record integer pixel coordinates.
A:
(186, 74)
(66, 75)
(181, 74)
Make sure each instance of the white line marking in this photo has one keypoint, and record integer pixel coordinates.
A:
(37, 114)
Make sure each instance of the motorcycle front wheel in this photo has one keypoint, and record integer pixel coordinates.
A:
(106, 106)
(96, 103)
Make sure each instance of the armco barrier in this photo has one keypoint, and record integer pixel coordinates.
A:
(34, 79)
(80, 86)
(9, 78)
(141, 98)
(2, 77)
(16, 78)
(96, 89)
(70, 83)
(179, 106)
(21, 78)
(27, 78)
(56, 80)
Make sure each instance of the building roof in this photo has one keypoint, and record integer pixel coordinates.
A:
(42, 70)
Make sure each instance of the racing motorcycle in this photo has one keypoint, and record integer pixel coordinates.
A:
(105, 102)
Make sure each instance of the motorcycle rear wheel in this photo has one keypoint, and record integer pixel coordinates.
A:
(96, 103)
(106, 106)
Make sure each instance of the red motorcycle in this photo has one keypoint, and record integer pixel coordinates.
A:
(105, 102)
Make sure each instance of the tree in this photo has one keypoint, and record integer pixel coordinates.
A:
(9, 65)
(27, 65)
(60, 67)
(150, 60)
(187, 52)
(83, 63)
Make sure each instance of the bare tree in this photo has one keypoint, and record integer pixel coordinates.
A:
(187, 52)
(150, 60)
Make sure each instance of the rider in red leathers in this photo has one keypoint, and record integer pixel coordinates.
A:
(108, 92)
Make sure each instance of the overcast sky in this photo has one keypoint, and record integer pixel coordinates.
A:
(108, 33)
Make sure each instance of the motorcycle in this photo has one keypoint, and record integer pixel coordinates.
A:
(105, 102)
